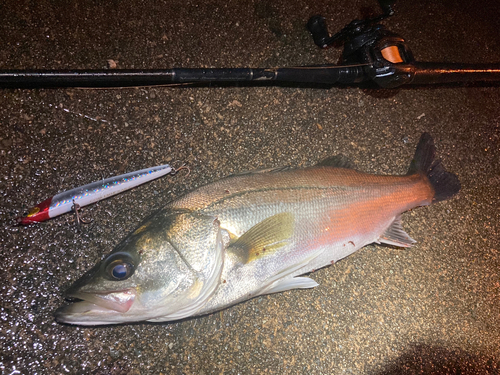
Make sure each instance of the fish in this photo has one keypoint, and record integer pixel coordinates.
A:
(252, 234)
(81, 196)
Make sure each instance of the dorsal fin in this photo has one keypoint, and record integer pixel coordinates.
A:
(263, 170)
(337, 161)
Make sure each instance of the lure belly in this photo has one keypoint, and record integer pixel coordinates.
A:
(87, 194)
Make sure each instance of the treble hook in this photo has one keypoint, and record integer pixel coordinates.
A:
(183, 166)
(79, 219)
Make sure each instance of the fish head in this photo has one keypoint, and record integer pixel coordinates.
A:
(167, 269)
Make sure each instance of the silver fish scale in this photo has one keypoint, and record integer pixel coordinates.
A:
(330, 222)
(187, 232)
(167, 280)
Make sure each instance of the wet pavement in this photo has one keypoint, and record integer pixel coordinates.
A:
(433, 308)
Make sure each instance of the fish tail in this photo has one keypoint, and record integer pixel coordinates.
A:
(445, 184)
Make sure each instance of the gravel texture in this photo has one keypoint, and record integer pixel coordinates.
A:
(433, 308)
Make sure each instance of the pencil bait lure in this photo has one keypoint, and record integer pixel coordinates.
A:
(76, 198)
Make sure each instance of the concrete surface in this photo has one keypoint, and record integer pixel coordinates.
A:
(430, 309)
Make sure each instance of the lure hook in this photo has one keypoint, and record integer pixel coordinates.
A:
(79, 219)
(176, 170)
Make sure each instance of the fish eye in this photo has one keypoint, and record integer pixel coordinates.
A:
(119, 269)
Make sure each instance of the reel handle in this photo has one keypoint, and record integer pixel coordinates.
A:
(387, 6)
(319, 31)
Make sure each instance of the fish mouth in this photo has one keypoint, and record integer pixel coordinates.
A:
(96, 308)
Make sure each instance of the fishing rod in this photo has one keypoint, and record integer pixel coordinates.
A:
(371, 54)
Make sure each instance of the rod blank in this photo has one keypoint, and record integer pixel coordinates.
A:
(154, 77)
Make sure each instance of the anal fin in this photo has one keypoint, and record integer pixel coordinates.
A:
(395, 235)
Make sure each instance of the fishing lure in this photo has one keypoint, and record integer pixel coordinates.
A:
(73, 199)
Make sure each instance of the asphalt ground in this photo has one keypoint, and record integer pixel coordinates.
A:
(433, 308)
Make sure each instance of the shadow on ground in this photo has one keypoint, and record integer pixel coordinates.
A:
(427, 359)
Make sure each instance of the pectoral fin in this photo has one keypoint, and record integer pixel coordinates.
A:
(396, 235)
(264, 238)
